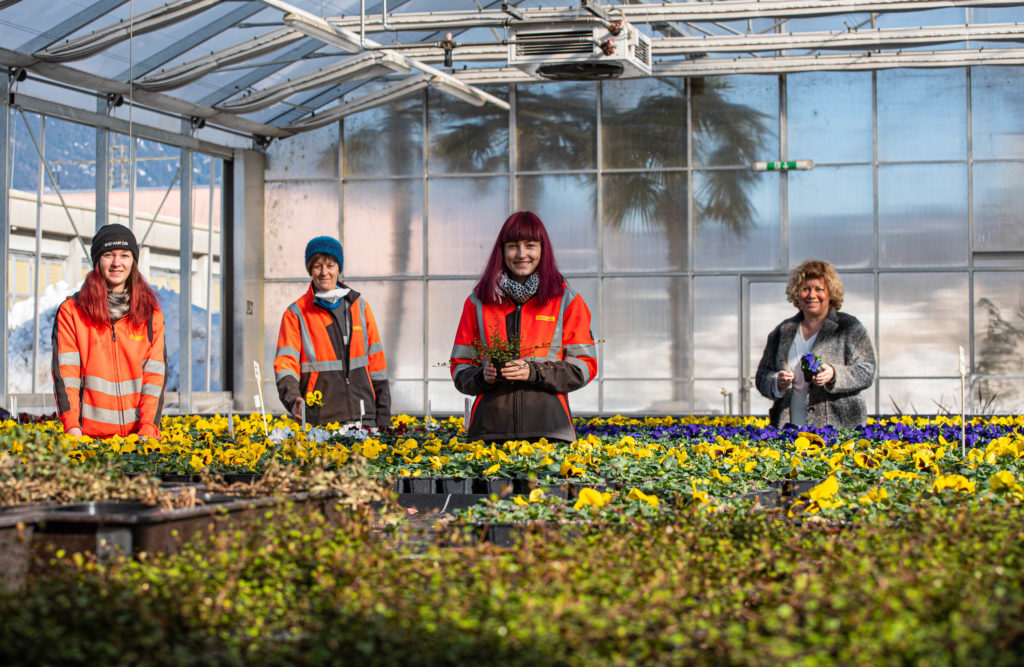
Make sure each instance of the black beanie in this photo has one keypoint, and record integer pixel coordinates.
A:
(113, 237)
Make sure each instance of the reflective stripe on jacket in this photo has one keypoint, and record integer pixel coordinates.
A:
(337, 352)
(555, 337)
(108, 379)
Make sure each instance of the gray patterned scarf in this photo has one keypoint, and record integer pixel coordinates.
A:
(519, 292)
(118, 304)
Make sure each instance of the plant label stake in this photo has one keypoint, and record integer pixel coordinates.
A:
(465, 415)
(14, 409)
(362, 412)
(963, 414)
(428, 414)
(259, 388)
(231, 424)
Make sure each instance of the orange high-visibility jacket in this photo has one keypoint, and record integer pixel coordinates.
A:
(338, 353)
(108, 379)
(554, 337)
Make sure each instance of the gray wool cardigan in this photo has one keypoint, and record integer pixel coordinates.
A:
(843, 344)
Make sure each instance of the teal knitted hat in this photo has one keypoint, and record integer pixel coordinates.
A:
(327, 246)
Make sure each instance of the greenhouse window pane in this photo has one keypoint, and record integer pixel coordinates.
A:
(445, 300)
(829, 117)
(464, 216)
(716, 327)
(645, 221)
(643, 123)
(645, 328)
(382, 230)
(465, 138)
(735, 120)
(398, 308)
(997, 105)
(922, 114)
(653, 397)
(998, 337)
(831, 215)
(386, 140)
(304, 156)
(918, 397)
(998, 206)
(314, 205)
(568, 206)
(923, 320)
(922, 215)
(708, 397)
(556, 126)
(737, 220)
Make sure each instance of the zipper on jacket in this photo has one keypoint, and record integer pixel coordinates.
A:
(117, 378)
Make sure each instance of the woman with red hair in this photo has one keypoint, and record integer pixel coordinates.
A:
(109, 361)
(522, 306)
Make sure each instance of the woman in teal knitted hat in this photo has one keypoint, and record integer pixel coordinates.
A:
(330, 357)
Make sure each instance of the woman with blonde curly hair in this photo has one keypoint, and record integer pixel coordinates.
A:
(816, 363)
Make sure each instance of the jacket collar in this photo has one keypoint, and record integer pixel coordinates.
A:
(788, 329)
(349, 298)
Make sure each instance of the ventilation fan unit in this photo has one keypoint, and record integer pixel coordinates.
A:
(580, 51)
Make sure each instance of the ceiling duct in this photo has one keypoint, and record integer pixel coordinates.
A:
(580, 50)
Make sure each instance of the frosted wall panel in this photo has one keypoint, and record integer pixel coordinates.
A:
(716, 326)
(643, 123)
(997, 105)
(644, 221)
(384, 141)
(556, 126)
(831, 216)
(465, 139)
(735, 120)
(922, 115)
(999, 205)
(294, 212)
(398, 308)
(567, 204)
(919, 396)
(737, 220)
(923, 319)
(999, 338)
(646, 337)
(829, 117)
(465, 216)
(653, 397)
(922, 215)
(445, 299)
(383, 227)
(307, 155)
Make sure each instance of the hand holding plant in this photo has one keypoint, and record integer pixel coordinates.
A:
(811, 365)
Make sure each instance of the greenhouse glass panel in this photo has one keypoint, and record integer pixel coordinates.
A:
(832, 216)
(304, 156)
(998, 206)
(645, 328)
(922, 114)
(735, 120)
(922, 215)
(919, 397)
(382, 231)
(387, 140)
(644, 223)
(922, 323)
(716, 327)
(398, 308)
(998, 338)
(653, 397)
(737, 220)
(445, 301)
(829, 117)
(997, 105)
(465, 138)
(311, 204)
(709, 399)
(464, 217)
(556, 126)
(643, 123)
(567, 204)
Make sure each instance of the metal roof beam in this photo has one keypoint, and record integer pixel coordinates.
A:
(74, 77)
(98, 40)
(191, 41)
(71, 24)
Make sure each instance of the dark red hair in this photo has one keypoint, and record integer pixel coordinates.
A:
(92, 298)
(521, 226)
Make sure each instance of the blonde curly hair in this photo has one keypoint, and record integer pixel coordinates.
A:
(810, 269)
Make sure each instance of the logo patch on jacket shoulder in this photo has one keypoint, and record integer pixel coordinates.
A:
(357, 327)
(546, 318)
(134, 337)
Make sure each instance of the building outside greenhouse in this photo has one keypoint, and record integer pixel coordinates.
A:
(674, 181)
